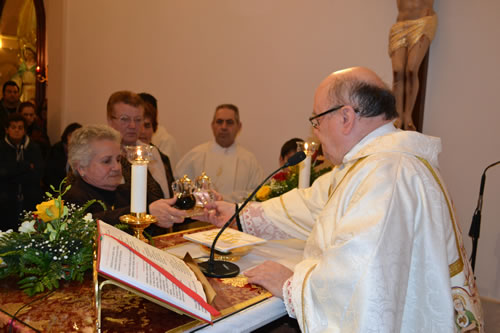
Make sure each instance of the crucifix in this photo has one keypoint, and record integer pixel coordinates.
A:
(409, 41)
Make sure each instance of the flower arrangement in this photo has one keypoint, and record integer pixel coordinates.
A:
(287, 180)
(53, 243)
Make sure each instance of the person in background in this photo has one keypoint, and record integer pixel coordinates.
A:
(233, 170)
(20, 173)
(8, 103)
(94, 155)
(383, 251)
(145, 136)
(33, 127)
(125, 113)
(56, 163)
(288, 149)
(163, 140)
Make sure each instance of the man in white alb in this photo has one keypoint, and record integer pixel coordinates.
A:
(383, 251)
(233, 170)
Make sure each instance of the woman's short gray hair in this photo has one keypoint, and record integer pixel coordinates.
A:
(80, 151)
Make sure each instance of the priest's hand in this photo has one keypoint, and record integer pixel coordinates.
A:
(217, 213)
(166, 214)
(270, 275)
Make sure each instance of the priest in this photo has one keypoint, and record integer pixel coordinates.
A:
(383, 251)
(233, 170)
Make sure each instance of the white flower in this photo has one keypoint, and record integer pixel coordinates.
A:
(5, 232)
(27, 227)
(88, 217)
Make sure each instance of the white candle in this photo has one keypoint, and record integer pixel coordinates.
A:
(305, 172)
(138, 188)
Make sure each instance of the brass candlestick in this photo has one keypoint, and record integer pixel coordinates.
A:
(138, 222)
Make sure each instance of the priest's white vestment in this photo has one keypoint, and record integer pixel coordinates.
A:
(384, 252)
(234, 171)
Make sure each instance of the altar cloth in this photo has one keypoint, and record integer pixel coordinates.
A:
(71, 307)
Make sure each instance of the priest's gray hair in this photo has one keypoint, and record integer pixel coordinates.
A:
(367, 98)
(80, 151)
(232, 107)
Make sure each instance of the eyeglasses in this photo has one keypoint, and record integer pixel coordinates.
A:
(315, 119)
(125, 120)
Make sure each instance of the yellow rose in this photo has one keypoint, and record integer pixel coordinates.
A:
(48, 211)
(263, 193)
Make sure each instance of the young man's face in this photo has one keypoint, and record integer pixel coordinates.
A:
(11, 95)
(28, 114)
(16, 131)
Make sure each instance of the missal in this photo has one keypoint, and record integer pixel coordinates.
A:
(151, 271)
(229, 240)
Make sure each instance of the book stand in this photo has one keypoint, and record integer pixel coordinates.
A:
(98, 289)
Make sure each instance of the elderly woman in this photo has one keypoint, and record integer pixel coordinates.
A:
(94, 156)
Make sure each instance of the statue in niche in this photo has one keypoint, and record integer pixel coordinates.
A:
(409, 40)
(26, 75)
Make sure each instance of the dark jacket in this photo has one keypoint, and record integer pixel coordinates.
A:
(21, 170)
(117, 202)
(55, 165)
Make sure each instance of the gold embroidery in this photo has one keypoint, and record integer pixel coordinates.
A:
(288, 215)
(238, 281)
(458, 265)
(304, 328)
(332, 191)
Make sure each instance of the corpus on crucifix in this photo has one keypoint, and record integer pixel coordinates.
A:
(409, 41)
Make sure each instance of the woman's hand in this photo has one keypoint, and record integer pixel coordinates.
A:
(166, 214)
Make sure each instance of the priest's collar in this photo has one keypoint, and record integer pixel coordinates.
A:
(216, 148)
(382, 130)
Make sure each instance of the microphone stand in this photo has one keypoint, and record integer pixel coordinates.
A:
(475, 226)
(225, 269)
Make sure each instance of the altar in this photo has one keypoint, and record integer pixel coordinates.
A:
(243, 307)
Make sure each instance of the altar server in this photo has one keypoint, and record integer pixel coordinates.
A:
(383, 252)
(233, 170)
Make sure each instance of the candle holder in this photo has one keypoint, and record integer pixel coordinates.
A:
(305, 166)
(138, 219)
(138, 222)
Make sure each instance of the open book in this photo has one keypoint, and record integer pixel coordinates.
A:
(151, 271)
(229, 240)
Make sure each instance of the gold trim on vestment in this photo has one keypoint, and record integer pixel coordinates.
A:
(408, 33)
(458, 265)
(302, 297)
(332, 191)
(288, 215)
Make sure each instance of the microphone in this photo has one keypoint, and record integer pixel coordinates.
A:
(225, 269)
(475, 226)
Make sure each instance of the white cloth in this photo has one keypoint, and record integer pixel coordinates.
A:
(166, 144)
(382, 252)
(234, 171)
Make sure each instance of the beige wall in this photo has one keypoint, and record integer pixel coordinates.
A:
(267, 57)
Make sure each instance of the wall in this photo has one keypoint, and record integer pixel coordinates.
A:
(267, 57)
